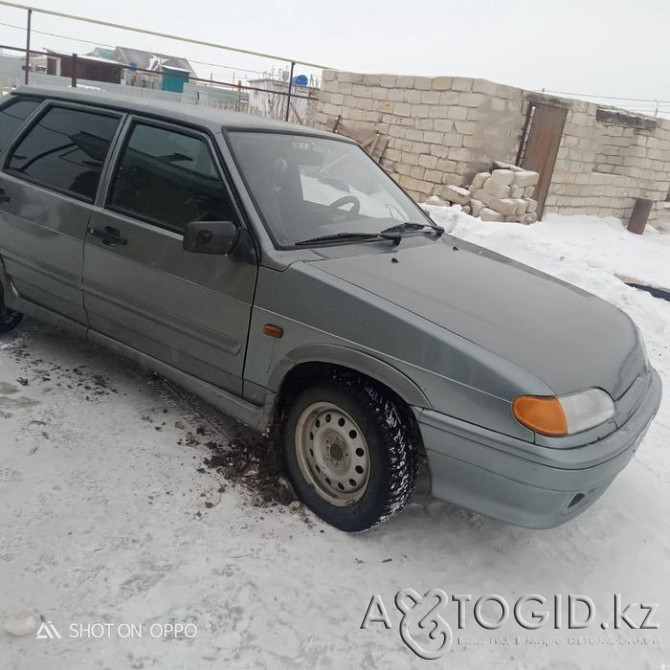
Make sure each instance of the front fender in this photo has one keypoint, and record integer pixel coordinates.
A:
(352, 359)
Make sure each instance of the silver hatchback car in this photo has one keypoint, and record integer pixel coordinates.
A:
(280, 274)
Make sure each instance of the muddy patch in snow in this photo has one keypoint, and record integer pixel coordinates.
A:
(52, 376)
(239, 455)
(256, 466)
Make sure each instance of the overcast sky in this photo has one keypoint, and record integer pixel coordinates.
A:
(596, 47)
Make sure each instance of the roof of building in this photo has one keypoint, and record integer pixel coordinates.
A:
(198, 115)
(149, 60)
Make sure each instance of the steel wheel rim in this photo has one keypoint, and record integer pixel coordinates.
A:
(332, 454)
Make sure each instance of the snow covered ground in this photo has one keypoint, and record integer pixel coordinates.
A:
(109, 515)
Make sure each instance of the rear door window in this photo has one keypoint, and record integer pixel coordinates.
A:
(65, 150)
(169, 178)
(12, 116)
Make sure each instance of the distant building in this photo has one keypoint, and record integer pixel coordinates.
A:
(87, 67)
(148, 69)
(271, 101)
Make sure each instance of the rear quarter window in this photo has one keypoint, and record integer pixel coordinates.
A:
(12, 117)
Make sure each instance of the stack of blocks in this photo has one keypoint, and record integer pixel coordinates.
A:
(503, 194)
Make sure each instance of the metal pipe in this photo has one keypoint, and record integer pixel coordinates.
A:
(290, 87)
(169, 36)
(28, 29)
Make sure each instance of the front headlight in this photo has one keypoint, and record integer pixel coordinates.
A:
(563, 415)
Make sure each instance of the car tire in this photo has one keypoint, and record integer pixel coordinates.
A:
(9, 319)
(350, 451)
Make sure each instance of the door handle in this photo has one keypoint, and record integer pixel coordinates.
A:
(3, 196)
(109, 236)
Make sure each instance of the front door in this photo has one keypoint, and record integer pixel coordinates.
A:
(140, 287)
(539, 148)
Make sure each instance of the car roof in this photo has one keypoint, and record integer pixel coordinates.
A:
(201, 115)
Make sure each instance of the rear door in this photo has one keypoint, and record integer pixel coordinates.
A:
(47, 187)
(141, 288)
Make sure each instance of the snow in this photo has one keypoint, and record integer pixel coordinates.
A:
(106, 518)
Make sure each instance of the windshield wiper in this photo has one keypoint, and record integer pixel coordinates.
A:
(340, 236)
(400, 227)
(394, 233)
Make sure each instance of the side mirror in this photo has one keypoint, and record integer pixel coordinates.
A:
(211, 237)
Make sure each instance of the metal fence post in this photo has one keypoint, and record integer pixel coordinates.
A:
(73, 72)
(28, 28)
(290, 88)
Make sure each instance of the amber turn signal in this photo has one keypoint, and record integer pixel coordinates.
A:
(543, 414)
(273, 331)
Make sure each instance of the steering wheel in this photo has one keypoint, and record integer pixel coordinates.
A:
(347, 200)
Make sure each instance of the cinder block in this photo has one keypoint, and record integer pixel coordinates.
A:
(487, 214)
(433, 176)
(481, 195)
(413, 96)
(505, 206)
(423, 83)
(457, 113)
(452, 140)
(479, 179)
(466, 127)
(441, 83)
(531, 205)
(429, 162)
(484, 86)
(462, 155)
(526, 178)
(476, 207)
(443, 125)
(420, 111)
(504, 177)
(501, 165)
(496, 190)
(529, 218)
(456, 194)
(430, 97)
(433, 137)
(520, 206)
(461, 84)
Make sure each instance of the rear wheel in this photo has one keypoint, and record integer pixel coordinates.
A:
(350, 452)
(9, 319)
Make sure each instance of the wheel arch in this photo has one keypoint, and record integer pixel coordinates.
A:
(348, 359)
(308, 364)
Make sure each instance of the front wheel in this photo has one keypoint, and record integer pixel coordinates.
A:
(9, 319)
(350, 452)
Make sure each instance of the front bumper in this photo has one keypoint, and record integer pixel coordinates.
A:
(523, 483)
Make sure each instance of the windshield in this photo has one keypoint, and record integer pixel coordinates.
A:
(309, 187)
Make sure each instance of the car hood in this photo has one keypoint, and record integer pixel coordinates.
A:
(564, 336)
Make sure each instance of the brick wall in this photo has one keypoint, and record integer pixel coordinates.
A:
(443, 130)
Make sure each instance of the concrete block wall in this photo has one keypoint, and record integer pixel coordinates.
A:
(603, 166)
(441, 130)
(444, 130)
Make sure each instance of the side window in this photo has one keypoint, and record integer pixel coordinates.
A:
(12, 116)
(65, 150)
(169, 178)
